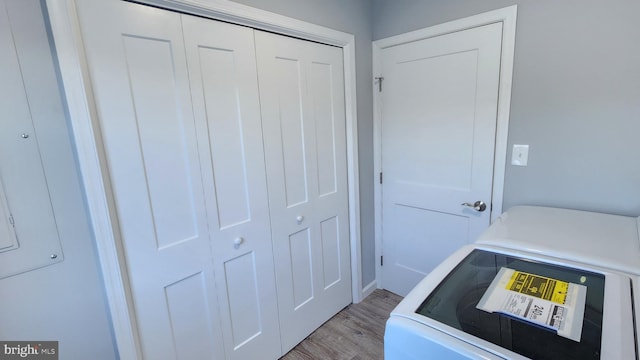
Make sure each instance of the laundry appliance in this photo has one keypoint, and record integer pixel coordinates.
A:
(599, 253)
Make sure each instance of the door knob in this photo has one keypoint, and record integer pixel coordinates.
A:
(237, 242)
(479, 206)
(299, 219)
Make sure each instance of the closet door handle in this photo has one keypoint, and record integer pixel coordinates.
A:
(237, 241)
(299, 219)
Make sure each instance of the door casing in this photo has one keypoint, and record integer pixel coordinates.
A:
(505, 15)
(90, 154)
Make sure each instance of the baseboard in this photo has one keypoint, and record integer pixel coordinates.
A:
(367, 290)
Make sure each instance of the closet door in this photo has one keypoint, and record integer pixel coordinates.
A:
(139, 75)
(303, 114)
(222, 69)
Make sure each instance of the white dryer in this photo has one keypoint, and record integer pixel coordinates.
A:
(439, 320)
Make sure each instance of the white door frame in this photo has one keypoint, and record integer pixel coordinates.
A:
(94, 173)
(505, 15)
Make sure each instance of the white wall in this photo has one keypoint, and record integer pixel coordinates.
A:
(62, 302)
(575, 97)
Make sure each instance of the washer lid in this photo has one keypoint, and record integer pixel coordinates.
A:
(446, 300)
(455, 299)
(605, 240)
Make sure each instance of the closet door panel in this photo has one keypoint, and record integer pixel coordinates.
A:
(301, 255)
(222, 110)
(292, 130)
(139, 77)
(224, 86)
(321, 93)
(161, 136)
(187, 302)
(331, 252)
(302, 101)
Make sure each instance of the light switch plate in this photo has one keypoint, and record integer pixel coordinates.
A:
(520, 155)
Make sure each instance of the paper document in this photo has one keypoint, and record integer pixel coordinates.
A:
(550, 303)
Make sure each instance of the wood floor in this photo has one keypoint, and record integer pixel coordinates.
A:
(355, 333)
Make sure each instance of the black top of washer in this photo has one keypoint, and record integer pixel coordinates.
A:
(454, 302)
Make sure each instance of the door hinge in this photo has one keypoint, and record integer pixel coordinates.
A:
(380, 177)
(381, 260)
(12, 220)
(379, 80)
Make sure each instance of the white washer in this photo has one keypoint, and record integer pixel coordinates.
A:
(439, 320)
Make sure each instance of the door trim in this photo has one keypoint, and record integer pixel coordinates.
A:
(508, 17)
(76, 83)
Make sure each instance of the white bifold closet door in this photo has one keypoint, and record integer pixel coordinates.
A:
(182, 137)
(222, 69)
(303, 115)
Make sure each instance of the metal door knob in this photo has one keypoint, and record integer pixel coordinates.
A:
(479, 206)
(299, 219)
(237, 241)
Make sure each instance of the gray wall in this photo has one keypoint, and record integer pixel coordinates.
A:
(575, 96)
(354, 17)
(62, 302)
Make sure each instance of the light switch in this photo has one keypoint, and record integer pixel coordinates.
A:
(520, 155)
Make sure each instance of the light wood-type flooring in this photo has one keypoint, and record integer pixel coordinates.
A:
(355, 333)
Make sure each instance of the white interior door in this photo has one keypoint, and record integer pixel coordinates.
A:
(139, 75)
(302, 101)
(224, 86)
(439, 112)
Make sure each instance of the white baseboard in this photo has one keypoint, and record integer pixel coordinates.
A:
(367, 290)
